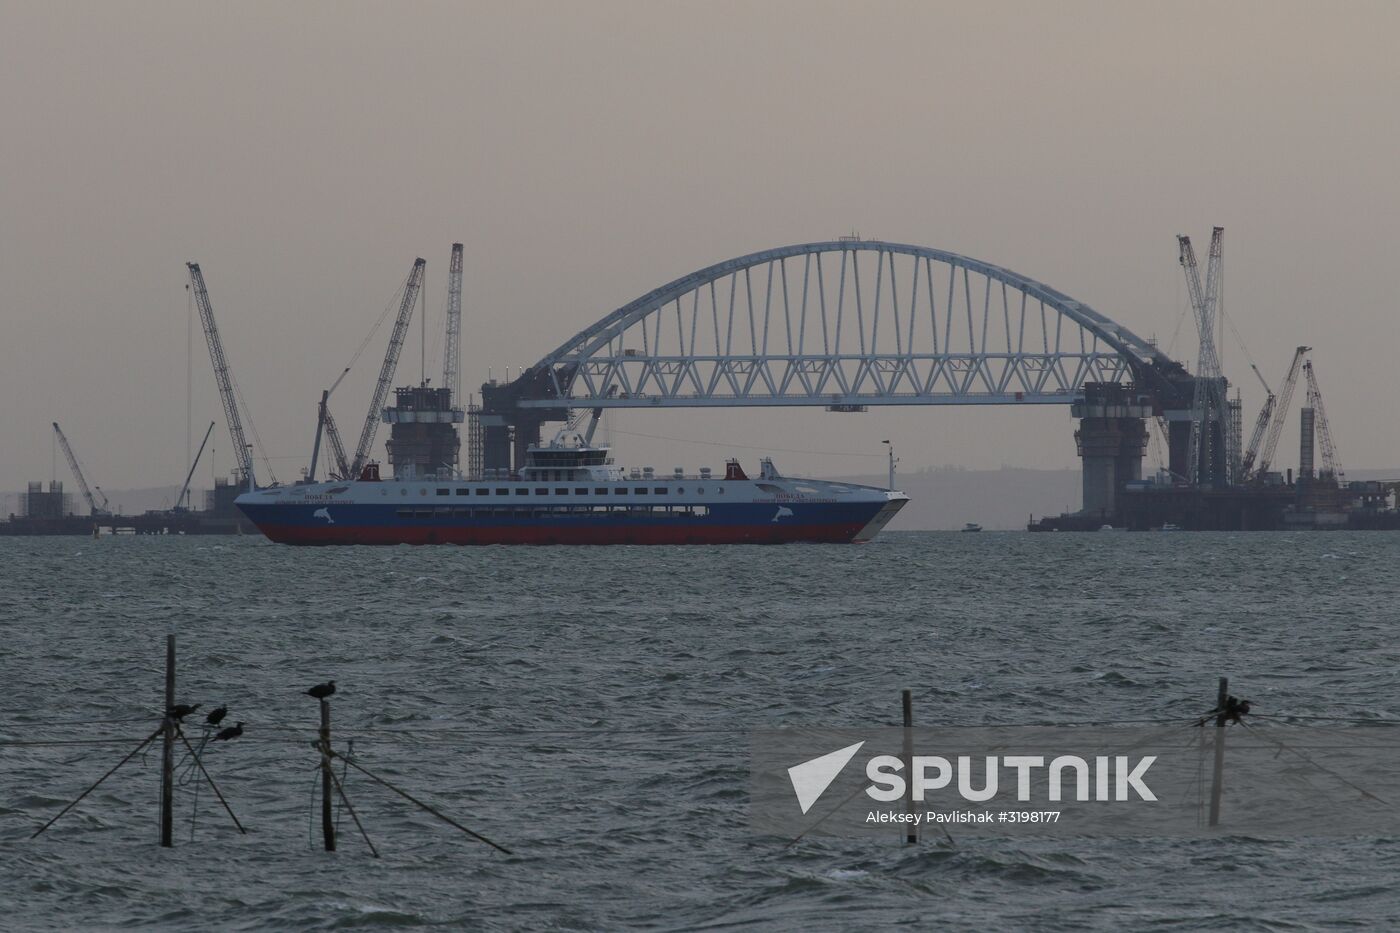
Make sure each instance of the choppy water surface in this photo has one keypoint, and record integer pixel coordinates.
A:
(588, 708)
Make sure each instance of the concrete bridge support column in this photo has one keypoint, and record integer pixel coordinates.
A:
(506, 438)
(496, 447)
(1112, 439)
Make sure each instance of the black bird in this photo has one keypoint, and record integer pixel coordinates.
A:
(232, 732)
(181, 710)
(1233, 710)
(321, 691)
(216, 716)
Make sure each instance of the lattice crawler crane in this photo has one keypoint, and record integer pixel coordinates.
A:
(223, 378)
(386, 370)
(1206, 460)
(94, 506)
(1280, 413)
(1331, 466)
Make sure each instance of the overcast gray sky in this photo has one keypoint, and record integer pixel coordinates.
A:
(585, 153)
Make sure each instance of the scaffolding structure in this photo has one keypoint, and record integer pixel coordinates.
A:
(38, 503)
(476, 442)
(423, 438)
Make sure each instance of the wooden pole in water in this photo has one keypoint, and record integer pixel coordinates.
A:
(911, 835)
(327, 821)
(1218, 784)
(167, 760)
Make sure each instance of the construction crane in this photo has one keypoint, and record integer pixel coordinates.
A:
(1280, 412)
(223, 379)
(1261, 425)
(180, 505)
(1330, 465)
(325, 423)
(342, 463)
(386, 371)
(93, 506)
(1208, 406)
(451, 352)
(316, 444)
(1215, 297)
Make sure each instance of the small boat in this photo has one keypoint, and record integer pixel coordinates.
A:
(972, 526)
(1110, 528)
(1169, 526)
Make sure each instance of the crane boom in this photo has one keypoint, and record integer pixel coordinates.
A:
(1280, 413)
(325, 424)
(1204, 401)
(316, 444)
(1193, 279)
(1261, 425)
(221, 375)
(342, 463)
(451, 353)
(1215, 268)
(1267, 390)
(93, 505)
(180, 499)
(1324, 429)
(1208, 401)
(1193, 289)
(391, 363)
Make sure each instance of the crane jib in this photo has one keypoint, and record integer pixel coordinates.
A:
(451, 353)
(222, 377)
(391, 363)
(94, 506)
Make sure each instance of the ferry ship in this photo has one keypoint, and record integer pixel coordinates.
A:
(569, 492)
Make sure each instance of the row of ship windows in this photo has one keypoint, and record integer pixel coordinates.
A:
(561, 491)
(441, 511)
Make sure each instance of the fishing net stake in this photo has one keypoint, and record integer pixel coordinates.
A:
(327, 820)
(167, 760)
(1217, 787)
(911, 835)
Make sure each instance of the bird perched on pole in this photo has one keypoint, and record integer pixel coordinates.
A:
(181, 710)
(216, 716)
(232, 732)
(1233, 711)
(321, 691)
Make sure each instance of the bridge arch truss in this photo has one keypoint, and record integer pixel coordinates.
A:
(843, 323)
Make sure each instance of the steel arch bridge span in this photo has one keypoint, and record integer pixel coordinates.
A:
(845, 323)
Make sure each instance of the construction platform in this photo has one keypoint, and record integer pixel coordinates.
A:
(50, 512)
(1297, 507)
(150, 523)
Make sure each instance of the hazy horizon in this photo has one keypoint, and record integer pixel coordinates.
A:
(305, 154)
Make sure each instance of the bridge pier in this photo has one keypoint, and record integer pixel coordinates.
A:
(1112, 439)
(1217, 443)
(508, 429)
(495, 453)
